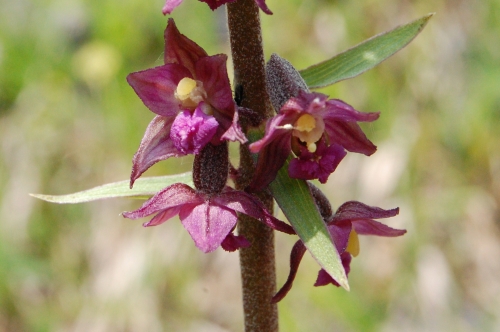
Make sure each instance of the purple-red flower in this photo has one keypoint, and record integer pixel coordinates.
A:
(350, 220)
(170, 5)
(192, 98)
(317, 130)
(208, 218)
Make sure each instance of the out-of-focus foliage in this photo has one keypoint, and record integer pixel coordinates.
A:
(68, 122)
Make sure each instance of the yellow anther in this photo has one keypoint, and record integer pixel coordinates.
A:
(309, 129)
(190, 92)
(184, 88)
(353, 243)
(305, 123)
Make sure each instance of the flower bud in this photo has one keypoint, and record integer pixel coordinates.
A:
(283, 81)
(322, 203)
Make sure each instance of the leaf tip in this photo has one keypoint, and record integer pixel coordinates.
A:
(40, 196)
(345, 284)
(427, 17)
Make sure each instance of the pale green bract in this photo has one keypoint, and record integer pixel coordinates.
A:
(363, 56)
(143, 188)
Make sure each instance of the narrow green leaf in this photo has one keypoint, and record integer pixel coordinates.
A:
(363, 56)
(143, 188)
(296, 202)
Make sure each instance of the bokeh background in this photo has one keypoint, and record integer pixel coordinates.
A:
(69, 121)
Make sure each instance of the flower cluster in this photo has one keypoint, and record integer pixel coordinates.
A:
(197, 114)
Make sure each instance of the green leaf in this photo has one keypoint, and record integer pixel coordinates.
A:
(143, 188)
(363, 56)
(295, 200)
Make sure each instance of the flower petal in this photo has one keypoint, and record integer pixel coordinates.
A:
(212, 72)
(162, 216)
(350, 136)
(338, 110)
(191, 132)
(180, 49)
(318, 165)
(167, 202)
(271, 158)
(208, 224)
(324, 278)
(275, 131)
(263, 6)
(155, 146)
(156, 87)
(305, 102)
(234, 132)
(372, 227)
(274, 148)
(234, 242)
(340, 234)
(248, 204)
(353, 210)
(296, 255)
(170, 5)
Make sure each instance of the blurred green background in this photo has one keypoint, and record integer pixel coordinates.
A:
(69, 121)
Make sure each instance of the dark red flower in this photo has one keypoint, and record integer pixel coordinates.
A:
(314, 128)
(352, 218)
(208, 218)
(192, 98)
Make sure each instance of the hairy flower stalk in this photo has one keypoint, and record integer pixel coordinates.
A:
(257, 261)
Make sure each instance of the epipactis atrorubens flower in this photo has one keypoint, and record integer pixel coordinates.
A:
(350, 220)
(170, 5)
(192, 98)
(209, 213)
(318, 130)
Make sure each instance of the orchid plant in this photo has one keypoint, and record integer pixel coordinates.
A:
(288, 136)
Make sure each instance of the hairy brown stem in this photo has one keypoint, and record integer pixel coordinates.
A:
(257, 262)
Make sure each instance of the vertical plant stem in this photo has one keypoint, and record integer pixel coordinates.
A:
(257, 262)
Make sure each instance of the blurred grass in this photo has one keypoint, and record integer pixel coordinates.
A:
(68, 121)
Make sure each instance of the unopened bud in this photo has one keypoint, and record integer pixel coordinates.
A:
(324, 206)
(283, 81)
